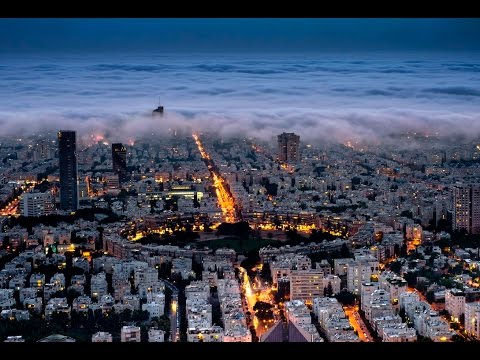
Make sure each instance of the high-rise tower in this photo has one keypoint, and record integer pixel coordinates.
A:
(67, 149)
(288, 144)
(466, 208)
(119, 158)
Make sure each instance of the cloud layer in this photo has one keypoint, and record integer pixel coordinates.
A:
(336, 97)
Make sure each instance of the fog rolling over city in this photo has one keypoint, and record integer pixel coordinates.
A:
(332, 96)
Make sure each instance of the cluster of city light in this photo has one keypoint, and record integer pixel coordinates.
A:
(11, 208)
(253, 293)
(162, 230)
(203, 153)
(288, 168)
(352, 315)
(300, 227)
(225, 199)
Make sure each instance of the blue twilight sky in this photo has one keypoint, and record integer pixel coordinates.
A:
(285, 35)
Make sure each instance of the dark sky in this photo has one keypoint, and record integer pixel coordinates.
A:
(239, 35)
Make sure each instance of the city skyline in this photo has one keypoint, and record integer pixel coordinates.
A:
(239, 180)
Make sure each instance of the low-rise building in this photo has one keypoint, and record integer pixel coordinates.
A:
(400, 333)
(211, 334)
(17, 339)
(98, 286)
(238, 333)
(101, 336)
(130, 334)
(57, 305)
(156, 335)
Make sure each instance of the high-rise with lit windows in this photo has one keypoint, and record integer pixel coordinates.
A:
(466, 208)
(288, 144)
(37, 204)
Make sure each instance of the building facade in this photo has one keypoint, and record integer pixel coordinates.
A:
(67, 149)
(130, 334)
(466, 208)
(119, 160)
(37, 204)
(288, 145)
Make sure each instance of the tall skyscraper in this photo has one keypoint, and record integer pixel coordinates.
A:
(466, 208)
(67, 148)
(119, 157)
(288, 144)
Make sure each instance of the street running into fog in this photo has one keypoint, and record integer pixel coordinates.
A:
(225, 198)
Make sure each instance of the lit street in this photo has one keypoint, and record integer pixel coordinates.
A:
(225, 199)
(357, 323)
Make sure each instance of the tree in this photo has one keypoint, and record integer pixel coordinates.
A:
(404, 250)
(272, 189)
(329, 289)
(396, 266)
(346, 297)
(72, 294)
(430, 296)
(407, 214)
(411, 278)
(344, 251)
(396, 250)
(5, 242)
(266, 273)
(263, 311)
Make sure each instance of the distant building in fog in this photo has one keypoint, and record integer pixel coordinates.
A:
(288, 144)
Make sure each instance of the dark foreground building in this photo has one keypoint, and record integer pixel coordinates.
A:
(67, 148)
(119, 159)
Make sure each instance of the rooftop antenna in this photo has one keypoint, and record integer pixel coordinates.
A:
(159, 109)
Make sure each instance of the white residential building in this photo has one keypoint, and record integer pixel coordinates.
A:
(472, 319)
(98, 286)
(133, 300)
(400, 333)
(37, 204)
(154, 309)
(156, 335)
(211, 334)
(394, 285)
(7, 300)
(17, 339)
(130, 334)
(359, 271)
(237, 334)
(58, 305)
(455, 303)
(101, 336)
(198, 289)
